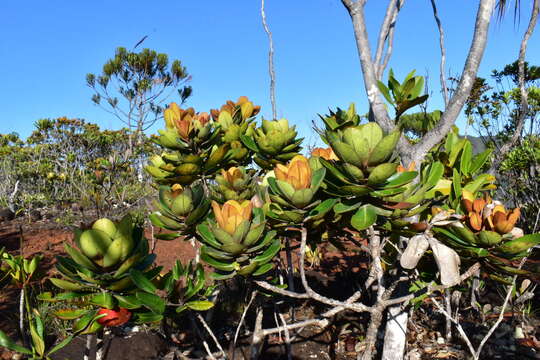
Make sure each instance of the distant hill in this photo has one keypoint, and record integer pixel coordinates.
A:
(477, 143)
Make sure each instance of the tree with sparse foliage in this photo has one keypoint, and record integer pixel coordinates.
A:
(133, 86)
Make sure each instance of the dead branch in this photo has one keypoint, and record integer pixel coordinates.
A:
(443, 53)
(271, 70)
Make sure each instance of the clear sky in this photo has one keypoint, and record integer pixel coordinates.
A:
(48, 47)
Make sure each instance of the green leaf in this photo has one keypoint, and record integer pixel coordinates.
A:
(364, 217)
(454, 152)
(388, 192)
(384, 149)
(37, 341)
(466, 156)
(263, 269)
(149, 317)
(381, 173)
(418, 87)
(269, 253)
(87, 324)
(9, 344)
(385, 91)
(249, 143)
(207, 236)
(142, 282)
(69, 314)
(284, 187)
(199, 283)
(60, 345)
(322, 209)
(436, 171)
(151, 301)
(129, 301)
(400, 178)
(215, 263)
(479, 160)
(126, 265)
(267, 239)
(67, 285)
(479, 182)
(168, 236)
(518, 245)
(104, 300)
(456, 183)
(317, 179)
(200, 305)
(341, 208)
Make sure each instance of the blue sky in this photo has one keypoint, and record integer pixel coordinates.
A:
(48, 47)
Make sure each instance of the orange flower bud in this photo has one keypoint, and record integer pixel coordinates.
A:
(232, 174)
(467, 199)
(475, 221)
(232, 214)
(177, 189)
(478, 205)
(411, 167)
(297, 173)
(327, 154)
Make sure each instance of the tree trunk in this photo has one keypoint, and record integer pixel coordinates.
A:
(395, 335)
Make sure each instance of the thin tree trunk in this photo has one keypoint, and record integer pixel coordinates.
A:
(271, 70)
(378, 110)
(395, 333)
(371, 335)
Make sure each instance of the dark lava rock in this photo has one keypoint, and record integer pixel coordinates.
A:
(35, 215)
(6, 215)
(139, 346)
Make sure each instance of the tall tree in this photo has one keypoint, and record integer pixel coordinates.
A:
(133, 86)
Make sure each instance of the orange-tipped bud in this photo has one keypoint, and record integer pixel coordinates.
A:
(504, 222)
(297, 173)
(478, 205)
(467, 200)
(475, 221)
(411, 167)
(232, 174)
(326, 154)
(181, 120)
(232, 214)
(177, 189)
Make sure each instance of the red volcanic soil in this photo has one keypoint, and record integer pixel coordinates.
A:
(44, 239)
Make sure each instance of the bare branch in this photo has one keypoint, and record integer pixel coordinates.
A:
(281, 291)
(443, 53)
(270, 63)
(378, 112)
(242, 318)
(431, 288)
(458, 326)
(456, 103)
(258, 336)
(385, 29)
(211, 333)
(314, 295)
(388, 29)
(377, 106)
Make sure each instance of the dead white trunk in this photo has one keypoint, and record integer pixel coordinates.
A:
(395, 335)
